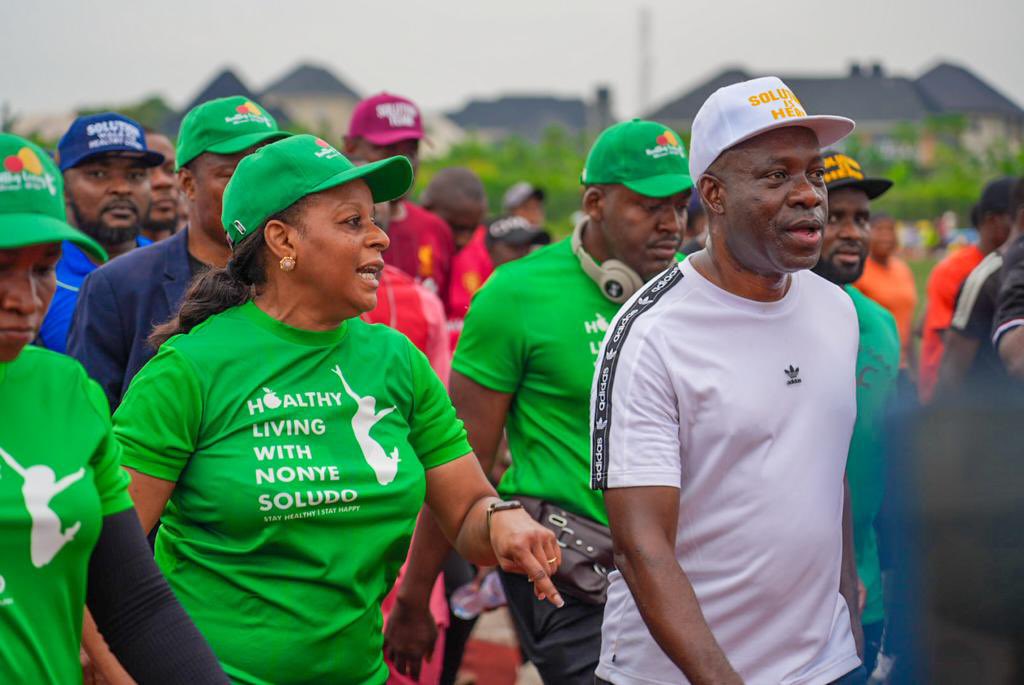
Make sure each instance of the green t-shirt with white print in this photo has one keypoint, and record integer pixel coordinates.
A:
(299, 458)
(60, 474)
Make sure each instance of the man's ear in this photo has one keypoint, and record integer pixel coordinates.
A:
(712, 190)
(593, 203)
(281, 238)
(187, 182)
(349, 146)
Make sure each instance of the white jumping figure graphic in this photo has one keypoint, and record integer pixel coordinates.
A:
(384, 465)
(41, 486)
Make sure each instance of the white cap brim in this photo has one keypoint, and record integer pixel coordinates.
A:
(828, 128)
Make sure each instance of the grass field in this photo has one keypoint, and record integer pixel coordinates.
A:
(921, 268)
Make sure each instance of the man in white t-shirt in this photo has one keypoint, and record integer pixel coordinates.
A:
(722, 411)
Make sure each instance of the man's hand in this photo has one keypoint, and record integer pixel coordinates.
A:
(409, 637)
(643, 524)
(858, 635)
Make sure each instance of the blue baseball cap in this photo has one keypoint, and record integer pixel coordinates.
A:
(101, 134)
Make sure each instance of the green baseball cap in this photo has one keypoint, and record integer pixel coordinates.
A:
(32, 208)
(224, 126)
(645, 156)
(276, 176)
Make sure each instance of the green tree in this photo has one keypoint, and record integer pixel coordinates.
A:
(151, 112)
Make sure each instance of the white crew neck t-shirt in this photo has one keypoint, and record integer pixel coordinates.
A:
(747, 407)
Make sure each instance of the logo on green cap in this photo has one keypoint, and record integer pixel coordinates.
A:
(645, 156)
(326, 150)
(666, 144)
(24, 171)
(248, 112)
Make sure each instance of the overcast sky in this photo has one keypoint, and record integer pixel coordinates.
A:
(61, 54)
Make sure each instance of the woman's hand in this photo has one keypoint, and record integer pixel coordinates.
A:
(524, 546)
(409, 637)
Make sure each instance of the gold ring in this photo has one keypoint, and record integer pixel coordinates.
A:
(553, 560)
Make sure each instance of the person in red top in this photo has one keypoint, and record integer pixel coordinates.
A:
(992, 219)
(408, 307)
(418, 314)
(457, 195)
(421, 242)
(888, 280)
(503, 240)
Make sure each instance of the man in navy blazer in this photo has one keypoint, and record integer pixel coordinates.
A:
(120, 302)
(118, 305)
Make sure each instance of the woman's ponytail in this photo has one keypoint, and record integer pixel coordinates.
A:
(218, 290)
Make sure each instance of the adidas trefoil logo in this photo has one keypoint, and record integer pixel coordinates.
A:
(794, 375)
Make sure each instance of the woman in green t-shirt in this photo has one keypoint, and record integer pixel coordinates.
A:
(288, 445)
(68, 534)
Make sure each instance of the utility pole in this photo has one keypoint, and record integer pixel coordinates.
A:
(644, 61)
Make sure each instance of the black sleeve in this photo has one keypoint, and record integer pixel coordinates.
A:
(1010, 311)
(138, 615)
(976, 304)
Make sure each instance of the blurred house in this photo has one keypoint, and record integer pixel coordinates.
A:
(314, 98)
(528, 116)
(441, 135)
(226, 83)
(991, 116)
(311, 98)
(976, 114)
(44, 127)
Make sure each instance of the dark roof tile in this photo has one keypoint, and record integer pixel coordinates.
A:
(955, 89)
(866, 96)
(307, 79)
(224, 84)
(524, 115)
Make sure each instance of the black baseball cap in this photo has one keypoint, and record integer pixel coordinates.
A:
(515, 230)
(843, 171)
(995, 198)
(520, 193)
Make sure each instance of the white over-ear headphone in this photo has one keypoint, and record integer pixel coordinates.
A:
(617, 281)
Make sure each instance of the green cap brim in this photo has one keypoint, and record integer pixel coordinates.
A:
(660, 186)
(237, 144)
(389, 179)
(23, 230)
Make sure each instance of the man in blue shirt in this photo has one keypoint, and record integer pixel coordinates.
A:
(105, 163)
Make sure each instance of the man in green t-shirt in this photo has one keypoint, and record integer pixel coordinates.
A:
(844, 252)
(525, 363)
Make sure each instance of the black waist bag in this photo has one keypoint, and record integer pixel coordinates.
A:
(587, 555)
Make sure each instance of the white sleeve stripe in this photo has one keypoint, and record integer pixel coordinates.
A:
(601, 405)
(972, 289)
(1005, 328)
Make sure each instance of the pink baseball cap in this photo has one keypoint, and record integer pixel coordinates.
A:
(384, 119)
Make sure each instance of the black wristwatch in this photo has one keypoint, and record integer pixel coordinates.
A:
(501, 506)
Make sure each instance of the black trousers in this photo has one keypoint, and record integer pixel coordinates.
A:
(564, 644)
(457, 572)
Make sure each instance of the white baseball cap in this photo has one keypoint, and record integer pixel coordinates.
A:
(743, 110)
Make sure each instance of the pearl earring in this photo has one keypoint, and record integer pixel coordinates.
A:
(287, 264)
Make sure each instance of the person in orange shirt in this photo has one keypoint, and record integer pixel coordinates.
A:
(889, 281)
(991, 216)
